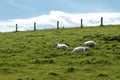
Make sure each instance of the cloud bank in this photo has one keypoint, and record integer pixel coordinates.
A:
(66, 20)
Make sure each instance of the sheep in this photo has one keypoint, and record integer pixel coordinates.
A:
(90, 43)
(61, 46)
(81, 49)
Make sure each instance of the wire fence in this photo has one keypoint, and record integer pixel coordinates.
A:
(58, 25)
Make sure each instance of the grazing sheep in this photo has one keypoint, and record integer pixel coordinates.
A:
(61, 46)
(81, 49)
(90, 43)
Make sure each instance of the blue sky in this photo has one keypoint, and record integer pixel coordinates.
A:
(47, 12)
(12, 9)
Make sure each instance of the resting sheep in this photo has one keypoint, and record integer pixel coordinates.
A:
(61, 46)
(90, 43)
(81, 49)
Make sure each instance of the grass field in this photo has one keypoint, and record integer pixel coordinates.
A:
(30, 55)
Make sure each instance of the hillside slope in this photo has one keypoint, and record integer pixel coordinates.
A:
(31, 55)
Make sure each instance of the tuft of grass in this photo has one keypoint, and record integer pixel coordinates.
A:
(70, 69)
(45, 61)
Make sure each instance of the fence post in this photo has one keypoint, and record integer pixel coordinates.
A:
(63, 27)
(16, 28)
(101, 24)
(81, 23)
(57, 24)
(34, 26)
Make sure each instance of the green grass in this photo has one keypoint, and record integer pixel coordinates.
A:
(30, 55)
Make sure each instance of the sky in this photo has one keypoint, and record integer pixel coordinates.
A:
(46, 12)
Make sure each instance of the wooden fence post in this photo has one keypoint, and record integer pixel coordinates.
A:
(57, 24)
(16, 28)
(63, 27)
(81, 23)
(34, 26)
(101, 22)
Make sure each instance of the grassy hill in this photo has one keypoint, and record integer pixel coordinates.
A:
(30, 55)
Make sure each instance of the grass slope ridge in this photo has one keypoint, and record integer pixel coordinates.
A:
(30, 55)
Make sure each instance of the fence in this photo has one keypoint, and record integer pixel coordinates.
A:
(81, 24)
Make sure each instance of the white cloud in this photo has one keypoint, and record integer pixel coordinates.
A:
(66, 19)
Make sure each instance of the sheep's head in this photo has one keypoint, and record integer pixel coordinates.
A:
(55, 45)
(87, 49)
(67, 44)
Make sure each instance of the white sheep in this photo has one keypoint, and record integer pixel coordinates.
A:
(90, 43)
(81, 49)
(61, 46)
